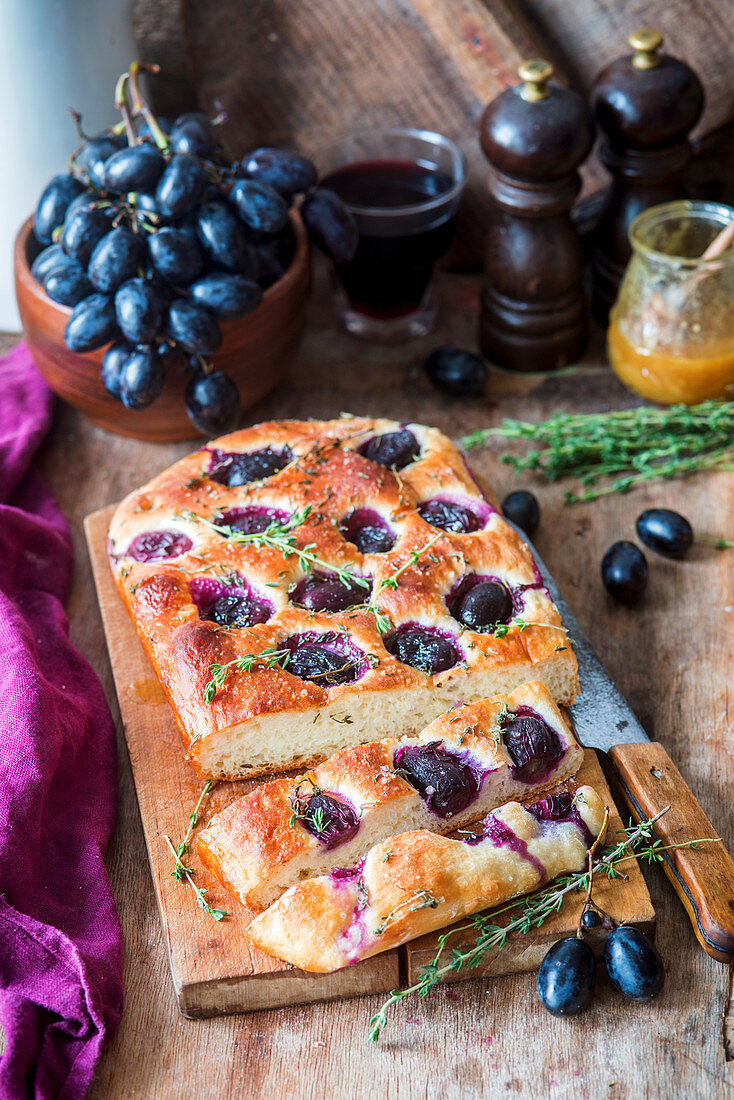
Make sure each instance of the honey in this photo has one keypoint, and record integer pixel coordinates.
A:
(671, 332)
(687, 375)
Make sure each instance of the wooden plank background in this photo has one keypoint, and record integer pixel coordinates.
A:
(672, 659)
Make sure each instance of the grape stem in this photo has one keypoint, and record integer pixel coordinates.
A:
(141, 105)
(122, 105)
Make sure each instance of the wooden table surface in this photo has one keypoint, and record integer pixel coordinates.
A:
(671, 657)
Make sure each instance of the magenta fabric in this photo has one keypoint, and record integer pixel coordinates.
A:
(60, 937)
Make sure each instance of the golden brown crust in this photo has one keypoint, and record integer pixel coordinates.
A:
(257, 848)
(417, 882)
(329, 476)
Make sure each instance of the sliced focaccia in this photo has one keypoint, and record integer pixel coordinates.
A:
(417, 882)
(302, 586)
(463, 764)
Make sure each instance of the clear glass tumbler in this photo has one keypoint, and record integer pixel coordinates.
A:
(671, 332)
(403, 187)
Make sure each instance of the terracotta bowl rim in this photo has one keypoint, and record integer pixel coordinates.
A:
(270, 296)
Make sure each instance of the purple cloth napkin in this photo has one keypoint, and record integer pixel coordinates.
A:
(60, 937)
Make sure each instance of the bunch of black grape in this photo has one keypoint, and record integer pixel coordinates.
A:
(155, 238)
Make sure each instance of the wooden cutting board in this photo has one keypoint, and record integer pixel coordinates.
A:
(214, 969)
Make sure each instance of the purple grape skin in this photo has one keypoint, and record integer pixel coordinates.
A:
(449, 516)
(92, 324)
(367, 531)
(321, 665)
(141, 378)
(67, 286)
(533, 746)
(422, 649)
(447, 784)
(237, 609)
(331, 225)
(339, 822)
(138, 309)
(159, 545)
(633, 965)
(251, 519)
(288, 173)
(53, 205)
(485, 604)
(234, 468)
(213, 403)
(393, 449)
(192, 133)
(259, 205)
(193, 328)
(114, 259)
(319, 592)
(82, 232)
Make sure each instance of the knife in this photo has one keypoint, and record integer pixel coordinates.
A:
(703, 878)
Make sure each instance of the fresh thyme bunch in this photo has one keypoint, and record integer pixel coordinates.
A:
(639, 842)
(630, 446)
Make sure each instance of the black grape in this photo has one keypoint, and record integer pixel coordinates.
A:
(173, 357)
(136, 168)
(288, 173)
(92, 157)
(67, 285)
(139, 309)
(82, 232)
(213, 403)
(331, 225)
(175, 256)
(141, 378)
(92, 324)
(259, 206)
(181, 185)
(115, 358)
(221, 235)
(193, 328)
(52, 206)
(46, 261)
(114, 259)
(192, 133)
(226, 296)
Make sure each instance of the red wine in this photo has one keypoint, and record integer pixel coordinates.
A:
(389, 275)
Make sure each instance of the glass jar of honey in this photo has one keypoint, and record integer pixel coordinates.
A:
(671, 332)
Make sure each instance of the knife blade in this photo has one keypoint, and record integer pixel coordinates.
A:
(603, 720)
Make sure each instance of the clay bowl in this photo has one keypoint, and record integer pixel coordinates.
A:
(256, 350)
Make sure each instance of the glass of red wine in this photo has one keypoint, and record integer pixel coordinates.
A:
(403, 186)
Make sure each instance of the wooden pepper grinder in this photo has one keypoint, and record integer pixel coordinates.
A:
(646, 104)
(533, 313)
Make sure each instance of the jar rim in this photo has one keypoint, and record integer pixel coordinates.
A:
(716, 213)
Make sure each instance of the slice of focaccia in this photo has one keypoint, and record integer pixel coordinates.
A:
(463, 764)
(417, 882)
(302, 586)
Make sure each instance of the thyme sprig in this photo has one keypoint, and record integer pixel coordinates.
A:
(383, 621)
(269, 658)
(280, 536)
(181, 871)
(639, 842)
(423, 899)
(630, 446)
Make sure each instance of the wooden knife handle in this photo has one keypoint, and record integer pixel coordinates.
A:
(703, 877)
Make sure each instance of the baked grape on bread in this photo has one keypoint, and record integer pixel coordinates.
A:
(302, 586)
(417, 882)
(462, 765)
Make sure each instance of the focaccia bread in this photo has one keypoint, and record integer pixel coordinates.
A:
(302, 586)
(462, 765)
(417, 882)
